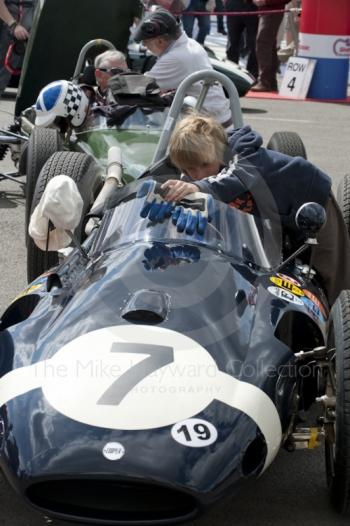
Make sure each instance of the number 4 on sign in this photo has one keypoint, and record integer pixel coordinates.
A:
(297, 77)
(291, 83)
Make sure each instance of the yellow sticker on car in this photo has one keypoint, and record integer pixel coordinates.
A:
(27, 291)
(287, 284)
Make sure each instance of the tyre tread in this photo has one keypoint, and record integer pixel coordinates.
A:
(343, 199)
(287, 142)
(78, 166)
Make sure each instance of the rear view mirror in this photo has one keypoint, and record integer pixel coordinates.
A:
(310, 218)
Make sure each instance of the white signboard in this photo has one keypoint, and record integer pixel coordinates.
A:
(297, 77)
(324, 46)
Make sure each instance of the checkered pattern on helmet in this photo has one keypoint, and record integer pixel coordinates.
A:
(72, 100)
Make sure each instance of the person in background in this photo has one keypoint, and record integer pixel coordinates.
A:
(266, 44)
(236, 25)
(16, 20)
(174, 6)
(203, 20)
(106, 65)
(178, 57)
(289, 45)
(219, 7)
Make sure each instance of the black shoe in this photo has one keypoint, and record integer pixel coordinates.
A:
(260, 87)
(223, 32)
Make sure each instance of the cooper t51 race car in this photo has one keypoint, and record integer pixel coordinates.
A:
(150, 372)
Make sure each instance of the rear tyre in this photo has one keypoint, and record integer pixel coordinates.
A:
(337, 445)
(83, 170)
(343, 199)
(41, 145)
(288, 143)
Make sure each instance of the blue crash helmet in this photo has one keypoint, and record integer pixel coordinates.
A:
(61, 99)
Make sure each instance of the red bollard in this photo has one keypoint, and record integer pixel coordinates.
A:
(325, 36)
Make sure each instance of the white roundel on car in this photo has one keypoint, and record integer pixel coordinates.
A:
(194, 432)
(131, 377)
(113, 451)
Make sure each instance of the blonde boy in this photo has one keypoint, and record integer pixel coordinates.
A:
(197, 147)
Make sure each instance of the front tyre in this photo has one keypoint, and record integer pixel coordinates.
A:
(83, 170)
(42, 143)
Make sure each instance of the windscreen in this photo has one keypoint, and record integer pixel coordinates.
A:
(232, 233)
(125, 118)
(137, 137)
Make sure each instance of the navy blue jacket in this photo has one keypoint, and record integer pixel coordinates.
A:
(277, 183)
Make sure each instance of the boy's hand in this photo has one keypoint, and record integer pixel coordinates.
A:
(175, 190)
(193, 213)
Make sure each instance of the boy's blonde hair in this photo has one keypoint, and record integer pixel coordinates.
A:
(196, 140)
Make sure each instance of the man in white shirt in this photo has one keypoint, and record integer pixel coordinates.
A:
(179, 56)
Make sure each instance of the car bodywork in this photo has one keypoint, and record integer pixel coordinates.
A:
(143, 383)
(152, 372)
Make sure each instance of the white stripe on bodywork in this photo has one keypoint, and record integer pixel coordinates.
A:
(20, 381)
(258, 406)
(165, 395)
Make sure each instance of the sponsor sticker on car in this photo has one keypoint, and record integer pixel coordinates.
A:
(287, 284)
(36, 285)
(113, 451)
(313, 309)
(316, 301)
(289, 278)
(285, 295)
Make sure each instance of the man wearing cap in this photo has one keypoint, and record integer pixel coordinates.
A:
(179, 56)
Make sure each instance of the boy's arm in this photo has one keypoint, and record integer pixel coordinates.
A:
(245, 148)
(224, 186)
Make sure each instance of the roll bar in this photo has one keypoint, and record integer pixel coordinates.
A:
(209, 77)
(81, 59)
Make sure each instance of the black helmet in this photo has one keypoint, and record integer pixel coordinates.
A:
(155, 24)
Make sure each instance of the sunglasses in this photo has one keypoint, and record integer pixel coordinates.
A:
(113, 71)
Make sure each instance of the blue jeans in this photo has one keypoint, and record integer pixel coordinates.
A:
(203, 21)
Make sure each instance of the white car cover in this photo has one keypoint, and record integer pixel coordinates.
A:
(61, 203)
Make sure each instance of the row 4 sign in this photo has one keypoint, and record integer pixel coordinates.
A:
(297, 77)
